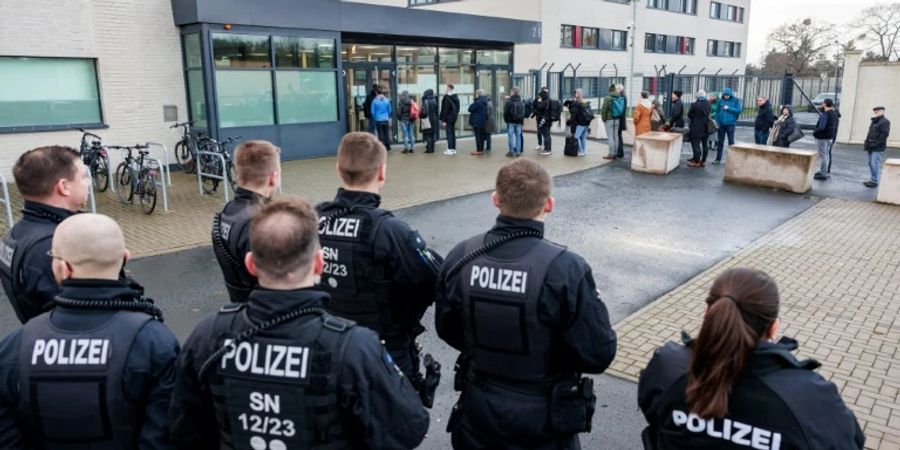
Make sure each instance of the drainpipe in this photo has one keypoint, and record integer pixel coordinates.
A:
(633, 40)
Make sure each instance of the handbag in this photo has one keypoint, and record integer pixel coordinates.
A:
(426, 123)
(711, 127)
(796, 135)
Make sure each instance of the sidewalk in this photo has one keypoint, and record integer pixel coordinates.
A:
(412, 180)
(838, 269)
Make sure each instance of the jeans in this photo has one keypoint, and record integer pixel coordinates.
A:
(761, 136)
(723, 130)
(514, 133)
(581, 137)
(696, 144)
(479, 138)
(612, 135)
(488, 138)
(384, 133)
(451, 135)
(875, 159)
(540, 137)
(824, 155)
(409, 140)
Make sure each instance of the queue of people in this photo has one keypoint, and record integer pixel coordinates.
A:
(317, 346)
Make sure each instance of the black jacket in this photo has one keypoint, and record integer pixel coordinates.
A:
(374, 397)
(698, 115)
(879, 130)
(777, 397)
(765, 117)
(826, 127)
(404, 109)
(367, 104)
(580, 113)
(449, 108)
(149, 370)
(509, 108)
(784, 132)
(238, 245)
(429, 109)
(542, 108)
(677, 119)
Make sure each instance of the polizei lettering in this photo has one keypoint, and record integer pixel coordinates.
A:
(729, 430)
(339, 226)
(504, 280)
(70, 352)
(284, 361)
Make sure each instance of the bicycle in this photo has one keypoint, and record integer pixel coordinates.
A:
(186, 149)
(96, 159)
(137, 176)
(212, 165)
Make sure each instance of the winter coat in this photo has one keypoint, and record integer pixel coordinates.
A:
(699, 114)
(642, 117)
(490, 122)
(879, 130)
(367, 104)
(542, 108)
(478, 112)
(765, 117)
(677, 119)
(450, 108)
(606, 107)
(509, 108)
(429, 109)
(404, 109)
(783, 129)
(729, 109)
(826, 127)
(381, 109)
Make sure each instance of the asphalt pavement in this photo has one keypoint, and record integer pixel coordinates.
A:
(642, 234)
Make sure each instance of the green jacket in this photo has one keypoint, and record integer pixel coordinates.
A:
(606, 108)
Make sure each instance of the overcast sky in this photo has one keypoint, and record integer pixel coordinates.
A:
(768, 14)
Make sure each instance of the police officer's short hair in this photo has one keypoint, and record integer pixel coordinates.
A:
(359, 157)
(284, 237)
(523, 187)
(254, 161)
(37, 171)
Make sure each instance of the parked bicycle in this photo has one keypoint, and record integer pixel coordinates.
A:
(137, 176)
(95, 158)
(212, 165)
(186, 148)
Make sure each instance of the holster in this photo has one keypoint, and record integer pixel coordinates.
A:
(432, 379)
(572, 405)
(461, 372)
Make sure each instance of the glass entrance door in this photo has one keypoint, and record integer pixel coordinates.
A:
(359, 80)
(495, 81)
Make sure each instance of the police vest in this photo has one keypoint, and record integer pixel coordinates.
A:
(277, 393)
(12, 254)
(226, 232)
(72, 387)
(503, 335)
(358, 283)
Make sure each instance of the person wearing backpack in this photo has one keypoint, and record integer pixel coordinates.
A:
(535, 104)
(544, 116)
(581, 113)
(406, 119)
(428, 117)
(514, 116)
(611, 112)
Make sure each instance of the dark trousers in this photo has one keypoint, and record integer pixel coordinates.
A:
(384, 133)
(488, 137)
(539, 135)
(723, 131)
(429, 142)
(620, 152)
(479, 138)
(451, 135)
(544, 132)
(696, 144)
(761, 136)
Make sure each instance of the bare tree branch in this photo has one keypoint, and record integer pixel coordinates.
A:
(880, 27)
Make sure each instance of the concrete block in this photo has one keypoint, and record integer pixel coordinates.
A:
(656, 152)
(785, 169)
(889, 187)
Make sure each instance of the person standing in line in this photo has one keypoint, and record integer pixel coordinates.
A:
(713, 111)
(611, 112)
(876, 144)
(367, 107)
(765, 119)
(727, 113)
(581, 117)
(544, 114)
(783, 129)
(699, 115)
(623, 122)
(826, 130)
(478, 111)
(428, 118)
(657, 117)
(534, 108)
(448, 116)
(404, 116)
(677, 119)
(642, 114)
(514, 116)
(381, 114)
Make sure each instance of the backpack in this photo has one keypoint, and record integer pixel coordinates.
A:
(587, 114)
(414, 111)
(555, 110)
(517, 112)
(618, 107)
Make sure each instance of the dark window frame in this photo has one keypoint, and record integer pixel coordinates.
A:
(660, 44)
(722, 12)
(715, 48)
(666, 5)
(567, 43)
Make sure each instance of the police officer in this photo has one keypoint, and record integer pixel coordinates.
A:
(735, 387)
(258, 176)
(278, 372)
(378, 270)
(54, 185)
(97, 371)
(526, 316)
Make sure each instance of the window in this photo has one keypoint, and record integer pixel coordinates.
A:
(422, 2)
(723, 48)
(567, 36)
(680, 6)
(624, 2)
(618, 40)
(304, 53)
(48, 92)
(244, 98)
(593, 38)
(502, 57)
(676, 45)
(192, 58)
(718, 84)
(721, 11)
(589, 37)
(241, 50)
(590, 86)
(306, 96)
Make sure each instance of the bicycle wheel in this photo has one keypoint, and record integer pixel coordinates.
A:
(185, 157)
(100, 172)
(232, 178)
(124, 188)
(148, 192)
(213, 166)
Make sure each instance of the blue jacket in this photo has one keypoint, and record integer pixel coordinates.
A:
(381, 109)
(730, 116)
(478, 112)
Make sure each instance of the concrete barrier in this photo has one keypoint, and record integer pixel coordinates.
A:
(656, 152)
(773, 167)
(889, 187)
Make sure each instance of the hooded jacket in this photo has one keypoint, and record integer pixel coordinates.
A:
(826, 126)
(478, 112)
(509, 110)
(404, 109)
(765, 117)
(642, 112)
(381, 109)
(606, 107)
(430, 110)
(450, 108)
(730, 115)
(876, 140)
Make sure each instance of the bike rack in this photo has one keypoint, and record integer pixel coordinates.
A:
(201, 174)
(90, 192)
(166, 172)
(6, 203)
(162, 181)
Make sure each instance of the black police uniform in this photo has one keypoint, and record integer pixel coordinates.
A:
(378, 271)
(313, 381)
(777, 403)
(231, 241)
(528, 318)
(79, 377)
(25, 268)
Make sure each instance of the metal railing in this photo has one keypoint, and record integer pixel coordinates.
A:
(6, 203)
(201, 174)
(166, 171)
(162, 181)
(90, 190)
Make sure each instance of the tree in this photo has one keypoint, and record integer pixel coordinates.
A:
(880, 29)
(801, 43)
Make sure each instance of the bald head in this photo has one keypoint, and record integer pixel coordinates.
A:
(88, 246)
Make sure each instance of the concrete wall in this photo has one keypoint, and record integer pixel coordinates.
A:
(138, 52)
(865, 86)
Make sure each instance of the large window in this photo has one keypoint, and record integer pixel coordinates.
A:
(725, 49)
(305, 53)
(590, 37)
(593, 38)
(306, 96)
(244, 98)
(48, 92)
(680, 6)
(567, 36)
(193, 73)
(661, 43)
(241, 50)
(721, 11)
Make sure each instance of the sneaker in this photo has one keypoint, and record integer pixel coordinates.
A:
(694, 164)
(476, 153)
(545, 153)
(538, 148)
(716, 162)
(405, 151)
(620, 155)
(820, 176)
(870, 184)
(510, 154)
(449, 152)
(581, 155)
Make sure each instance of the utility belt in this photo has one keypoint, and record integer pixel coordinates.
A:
(426, 385)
